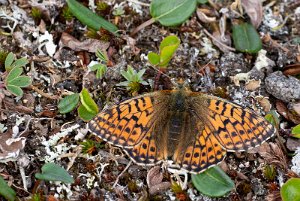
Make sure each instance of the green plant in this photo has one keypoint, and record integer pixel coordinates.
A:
(6, 191)
(87, 17)
(67, 14)
(53, 172)
(86, 110)
(290, 190)
(269, 172)
(169, 12)
(119, 11)
(213, 182)
(68, 103)
(133, 78)
(89, 146)
(296, 131)
(273, 118)
(3, 55)
(102, 6)
(167, 48)
(36, 197)
(100, 68)
(14, 81)
(36, 14)
(246, 38)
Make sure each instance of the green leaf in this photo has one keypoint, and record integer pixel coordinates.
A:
(8, 61)
(246, 38)
(167, 48)
(153, 58)
(202, 1)
(84, 114)
(101, 55)
(88, 102)
(101, 71)
(68, 103)
(14, 73)
(17, 91)
(273, 118)
(172, 12)
(87, 17)
(290, 191)
(6, 191)
(21, 81)
(53, 172)
(296, 131)
(95, 67)
(20, 62)
(213, 182)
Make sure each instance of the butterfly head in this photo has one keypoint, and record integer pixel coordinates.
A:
(181, 84)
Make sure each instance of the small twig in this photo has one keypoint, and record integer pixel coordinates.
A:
(117, 180)
(145, 24)
(28, 122)
(102, 166)
(215, 39)
(46, 95)
(23, 176)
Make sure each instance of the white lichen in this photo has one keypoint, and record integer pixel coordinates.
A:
(296, 162)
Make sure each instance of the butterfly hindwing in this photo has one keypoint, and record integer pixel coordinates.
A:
(203, 151)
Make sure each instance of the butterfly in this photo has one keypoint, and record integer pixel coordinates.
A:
(192, 130)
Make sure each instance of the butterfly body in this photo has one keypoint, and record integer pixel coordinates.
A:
(192, 129)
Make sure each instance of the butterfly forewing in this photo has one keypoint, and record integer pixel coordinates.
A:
(128, 123)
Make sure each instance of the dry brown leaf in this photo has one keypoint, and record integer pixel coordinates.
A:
(10, 147)
(264, 103)
(204, 18)
(90, 45)
(154, 181)
(254, 10)
(252, 85)
(293, 69)
(274, 155)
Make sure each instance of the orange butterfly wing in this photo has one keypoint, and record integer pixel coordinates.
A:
(128, 123)
(236, 128)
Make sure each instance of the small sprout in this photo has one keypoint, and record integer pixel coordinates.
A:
(102, 6)
(3, 55)
(132, 186)
(269, 172)
(37, 197)
(167, 48)
(36, 14)
(101, 67)
(90, 146)
(180, 193)
(14, 81)
(67, 14)
(91, 33)
(134, 79)
(273, 118)
(119, 11)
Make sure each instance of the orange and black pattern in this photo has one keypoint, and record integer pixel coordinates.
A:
(191, 129)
